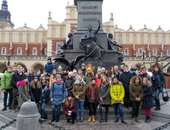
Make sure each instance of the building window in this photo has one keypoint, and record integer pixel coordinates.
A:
(168, 52)
(140, 52)
(19, 51)
(34, 51)
(154, 52)
(3, 51)
(126, 52)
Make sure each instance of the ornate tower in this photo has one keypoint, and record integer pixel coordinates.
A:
(5, 16)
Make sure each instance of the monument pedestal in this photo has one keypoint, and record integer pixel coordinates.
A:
(90, 40)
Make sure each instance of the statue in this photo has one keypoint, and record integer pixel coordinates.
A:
(69, 44)
(112, 45)
(75, 1)
(89, 44)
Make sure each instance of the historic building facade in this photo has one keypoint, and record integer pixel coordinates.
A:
(25, 42)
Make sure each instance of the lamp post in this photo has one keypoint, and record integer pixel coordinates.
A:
(143, 58)
(8, 60)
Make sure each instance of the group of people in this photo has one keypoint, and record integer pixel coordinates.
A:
(83, 90)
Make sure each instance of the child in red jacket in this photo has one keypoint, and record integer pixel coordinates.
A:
(70, 110)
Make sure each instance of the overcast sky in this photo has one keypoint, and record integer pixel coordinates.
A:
(126, 12)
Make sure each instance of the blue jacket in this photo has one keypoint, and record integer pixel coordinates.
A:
(58, 92)
(49, 68)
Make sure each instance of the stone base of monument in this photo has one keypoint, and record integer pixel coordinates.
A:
(107, 59)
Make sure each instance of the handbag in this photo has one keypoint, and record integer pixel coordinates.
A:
(165, 95)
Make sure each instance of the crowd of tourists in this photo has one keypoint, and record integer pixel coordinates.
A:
(87, 89)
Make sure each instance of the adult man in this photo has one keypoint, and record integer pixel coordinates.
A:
(49, 66)
(125, 77)
(6, 86)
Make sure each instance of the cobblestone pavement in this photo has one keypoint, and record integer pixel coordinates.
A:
(103, 126)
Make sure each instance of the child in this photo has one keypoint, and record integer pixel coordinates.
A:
(117, 94)
(70, 110)
(147, 99)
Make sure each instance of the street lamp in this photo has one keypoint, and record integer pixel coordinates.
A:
(8, 60)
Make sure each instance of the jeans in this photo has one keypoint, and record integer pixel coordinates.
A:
(92, 108)
(43, 111)
(8, 97)
(135, 109)
(157, 98)
(22, 96)
(56, 110)
(106, 107)
(80, 109)
(118, 110)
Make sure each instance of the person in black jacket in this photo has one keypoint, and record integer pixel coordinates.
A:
(147, 99)
(45, 98)
(125, 77)
(18, 75)
(158, 83)
(69, 82)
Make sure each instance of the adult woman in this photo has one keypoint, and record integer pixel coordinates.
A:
(147, 99)
(92, 96)
(104, 97)
(79, 91)
(36, 90)
(70, 109)
(136, 94)
(117, 94)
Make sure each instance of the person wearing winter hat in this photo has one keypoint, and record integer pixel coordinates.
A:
(69, 81)
(58, 95)
(79, 91)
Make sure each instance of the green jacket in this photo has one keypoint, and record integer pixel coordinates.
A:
(1, 74)
(6, 81)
